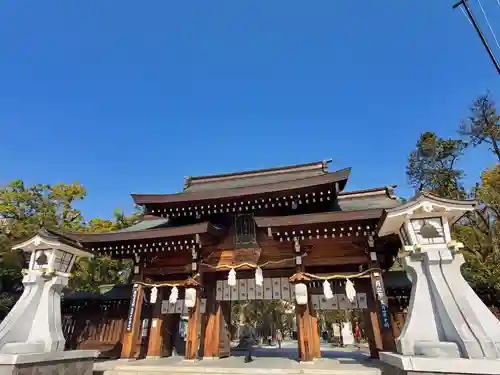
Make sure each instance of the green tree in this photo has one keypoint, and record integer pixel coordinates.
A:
(480, 233)
(483, 124)
(433, 166)
(26, 209)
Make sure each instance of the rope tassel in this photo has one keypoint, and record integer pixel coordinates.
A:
(231, 277)
(259, 277)
(174, 295)
(350, 292)
(327, 290)
(154, 295)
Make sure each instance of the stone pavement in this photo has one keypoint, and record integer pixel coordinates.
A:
(267, 361)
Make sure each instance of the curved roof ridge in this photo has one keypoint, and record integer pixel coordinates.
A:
(337, 176)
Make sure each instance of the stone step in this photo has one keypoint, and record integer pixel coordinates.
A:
(198, 370)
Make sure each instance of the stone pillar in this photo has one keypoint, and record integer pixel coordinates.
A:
(133, 325)
(458, 324)
(34, 324)
(155, 339)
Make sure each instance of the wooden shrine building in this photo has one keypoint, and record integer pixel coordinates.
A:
(286, 226)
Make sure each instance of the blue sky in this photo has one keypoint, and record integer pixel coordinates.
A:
(131, 96)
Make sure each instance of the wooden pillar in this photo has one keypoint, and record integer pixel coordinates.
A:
(213, 342)
(370, 319)
(377, 316)
(194, 320)
(316, 348)
(192, 337)
(133, 325)
(155, 337)
(305, 339)
(383, 314)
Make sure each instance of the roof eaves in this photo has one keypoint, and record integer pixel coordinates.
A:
(315, 218)
(337, 176)
(187, 230)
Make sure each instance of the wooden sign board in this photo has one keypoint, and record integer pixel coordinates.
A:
(219, 291)
(259, 292)
(315, 301)
(251, 289)
(174, 308)
(226, 291)
(268, 289)
(343, 301)
(234, 292)
(246, 256)
(362, 301)
(276, 283)
(285, 289)
(242, 290)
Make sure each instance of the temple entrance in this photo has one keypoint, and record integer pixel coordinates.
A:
(272, 312)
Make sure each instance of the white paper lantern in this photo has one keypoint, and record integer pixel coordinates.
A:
(301, 294)
(174, 295)
(327, 290)
(154, 295)
(259, 277)
(231, 277)
(350, 292)
(190, 298)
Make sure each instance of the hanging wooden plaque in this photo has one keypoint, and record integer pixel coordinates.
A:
(251, 289)
(268, 289)
(276, 282)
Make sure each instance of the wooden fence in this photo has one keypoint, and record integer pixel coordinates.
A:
(97, 325)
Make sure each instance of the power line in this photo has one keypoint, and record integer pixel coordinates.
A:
(488, 23)
(478, 30)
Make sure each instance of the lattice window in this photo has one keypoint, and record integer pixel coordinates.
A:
(244, 230)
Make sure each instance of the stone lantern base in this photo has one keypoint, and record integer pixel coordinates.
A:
(397, 364)
(74, 362)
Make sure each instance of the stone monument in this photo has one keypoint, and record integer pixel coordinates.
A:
(31, 335)
(448, 330)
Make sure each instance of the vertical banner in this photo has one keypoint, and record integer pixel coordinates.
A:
(378, 286)
(133, 305)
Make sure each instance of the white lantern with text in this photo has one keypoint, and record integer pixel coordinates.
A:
(190, 299)
(301, 294)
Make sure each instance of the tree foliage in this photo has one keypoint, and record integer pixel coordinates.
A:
(483, 124)
(26, 209)
(433, 166)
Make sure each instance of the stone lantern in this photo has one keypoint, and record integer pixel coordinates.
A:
(448, 328)
(32, 329)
